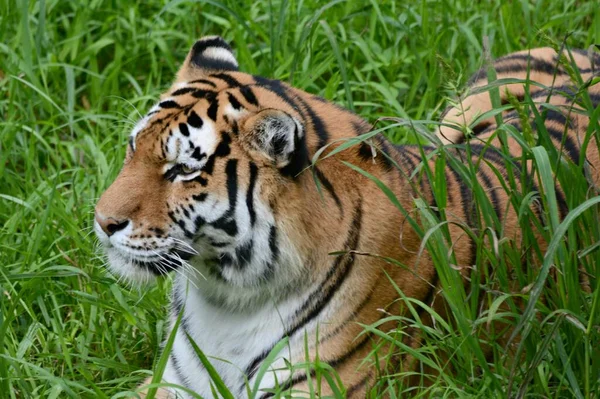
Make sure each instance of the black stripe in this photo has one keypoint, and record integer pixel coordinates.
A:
(201, 93)
(273, 244)
(364, 152)
(180, 223)
(555, 116)
(194, 120)
(230, 80)
(206, 82)
(228, 225)
(163, 149)
(562, 202)
(223, 149)
(243, 254)
(385, 160)
(183, 90)
(533, 63)
(227, 222)
(250, 193)
(406, 158)
(534, 66)
(323, 294)
(356, 348)
(494, 156)
(199, 197)
(216, 64)
(355, 312)
(210, 165)
(566, 140)
(360, 127)
(466, 196)
(234, 102)
(476, 77)
(197, 154)
(231, 172)
(317, 123)
(329, 187)
(213, 109)
(198, 179)
(270, 266)
(199, 222)
(169, 104)
(357, 385)
(184, 129)
(249, 95)
(485, 179)
(299, 159)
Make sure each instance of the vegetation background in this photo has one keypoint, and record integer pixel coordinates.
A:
(76, 75)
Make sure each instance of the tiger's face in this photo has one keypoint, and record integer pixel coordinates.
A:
(202, 172)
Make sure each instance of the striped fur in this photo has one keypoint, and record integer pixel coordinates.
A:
(215, 188)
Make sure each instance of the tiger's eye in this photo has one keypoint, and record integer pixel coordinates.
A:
(187, 170)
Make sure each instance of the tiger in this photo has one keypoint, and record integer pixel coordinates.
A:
(241, 187)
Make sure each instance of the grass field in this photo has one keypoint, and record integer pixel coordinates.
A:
(75, 76)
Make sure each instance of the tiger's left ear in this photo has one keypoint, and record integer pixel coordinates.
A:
(208, 55)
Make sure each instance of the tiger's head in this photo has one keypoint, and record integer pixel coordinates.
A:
(206, 172)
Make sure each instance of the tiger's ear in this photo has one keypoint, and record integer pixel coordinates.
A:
(208, 55)
(277, 137)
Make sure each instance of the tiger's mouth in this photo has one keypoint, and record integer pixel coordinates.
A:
(142, 267)
(163, 264)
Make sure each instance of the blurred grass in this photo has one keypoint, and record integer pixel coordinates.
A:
(74, 77)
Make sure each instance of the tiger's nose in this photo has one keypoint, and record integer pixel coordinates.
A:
(110, 225)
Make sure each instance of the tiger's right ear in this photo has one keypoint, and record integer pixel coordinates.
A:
(278, 138)
(210, 54)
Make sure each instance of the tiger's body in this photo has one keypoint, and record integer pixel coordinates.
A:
(217, 186)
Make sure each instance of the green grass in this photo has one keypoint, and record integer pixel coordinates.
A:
(74, 77)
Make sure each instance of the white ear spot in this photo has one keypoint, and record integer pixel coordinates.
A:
(219, 54)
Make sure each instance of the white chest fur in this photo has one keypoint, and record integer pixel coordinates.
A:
(233, 341)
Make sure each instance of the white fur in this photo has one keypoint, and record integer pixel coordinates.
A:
(231, 340)
(219, 53)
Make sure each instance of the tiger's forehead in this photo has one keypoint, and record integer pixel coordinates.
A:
(191, 115)
(187, 123)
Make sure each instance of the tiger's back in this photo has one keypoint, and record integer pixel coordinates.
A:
(218, 186)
